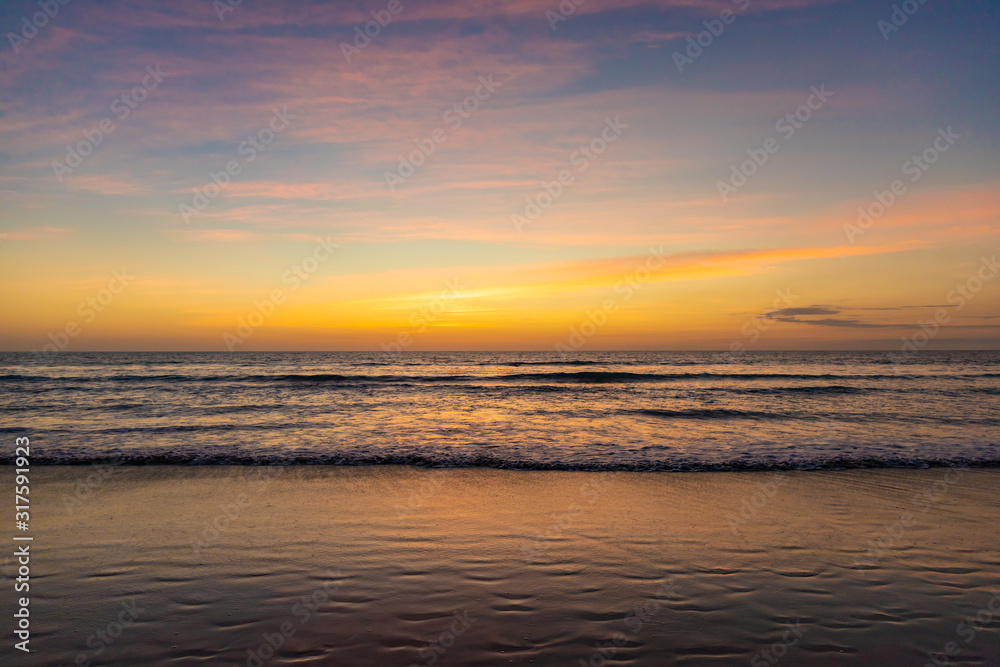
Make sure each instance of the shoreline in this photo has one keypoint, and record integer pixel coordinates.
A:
(395, 565)
(735, 466)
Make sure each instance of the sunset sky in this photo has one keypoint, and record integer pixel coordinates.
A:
(114, 115)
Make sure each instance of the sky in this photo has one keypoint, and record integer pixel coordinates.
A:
(481, 175)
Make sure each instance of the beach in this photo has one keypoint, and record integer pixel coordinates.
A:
(557, 333)
(396, 565)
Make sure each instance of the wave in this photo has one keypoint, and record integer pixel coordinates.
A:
(587, 377)
(704, 413)
(487, 461)
(249, 378)
(729, 413)
(584, 362)
(823, 389)
(628, 376)
(573, 362)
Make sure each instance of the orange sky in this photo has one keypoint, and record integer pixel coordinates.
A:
(635, 246)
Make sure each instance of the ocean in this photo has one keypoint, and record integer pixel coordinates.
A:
(671, 411)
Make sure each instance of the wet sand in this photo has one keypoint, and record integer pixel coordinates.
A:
(402, 566)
